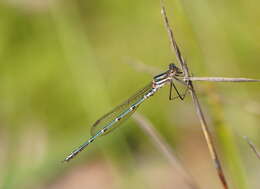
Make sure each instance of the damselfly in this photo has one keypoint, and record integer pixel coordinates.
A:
(114, 118)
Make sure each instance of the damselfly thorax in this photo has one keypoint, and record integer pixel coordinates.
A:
(166, 77)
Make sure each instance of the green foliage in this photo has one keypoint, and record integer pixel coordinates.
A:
(63, 64)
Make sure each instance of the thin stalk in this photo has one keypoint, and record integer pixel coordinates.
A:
(252, 146)
(221, 79)
(147, 126)
(205, 128)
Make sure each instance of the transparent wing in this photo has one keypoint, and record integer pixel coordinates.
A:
(117, 111)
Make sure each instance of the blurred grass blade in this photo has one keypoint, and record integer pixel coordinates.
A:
(164, 148)
(252, 146)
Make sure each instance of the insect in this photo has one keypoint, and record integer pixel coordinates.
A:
(119, 114)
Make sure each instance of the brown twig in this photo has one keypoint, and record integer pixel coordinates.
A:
(141, 67)
(220, 79)
(252, 146)
(164, 148)
(173, 42)
(205, 128)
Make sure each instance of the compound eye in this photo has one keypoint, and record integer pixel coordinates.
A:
(172, 66)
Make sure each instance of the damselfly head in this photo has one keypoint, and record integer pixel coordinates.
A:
(167, 76)
(174, 69)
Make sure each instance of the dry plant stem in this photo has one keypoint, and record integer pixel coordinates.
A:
(200, 114)
(174, 45)
(141, 67)
(164, 148)
(208, 137)
(250, 143)
(220, 79)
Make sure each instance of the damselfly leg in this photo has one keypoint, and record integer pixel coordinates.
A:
(181, 96)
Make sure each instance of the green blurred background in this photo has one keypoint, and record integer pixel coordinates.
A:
(65, 63)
